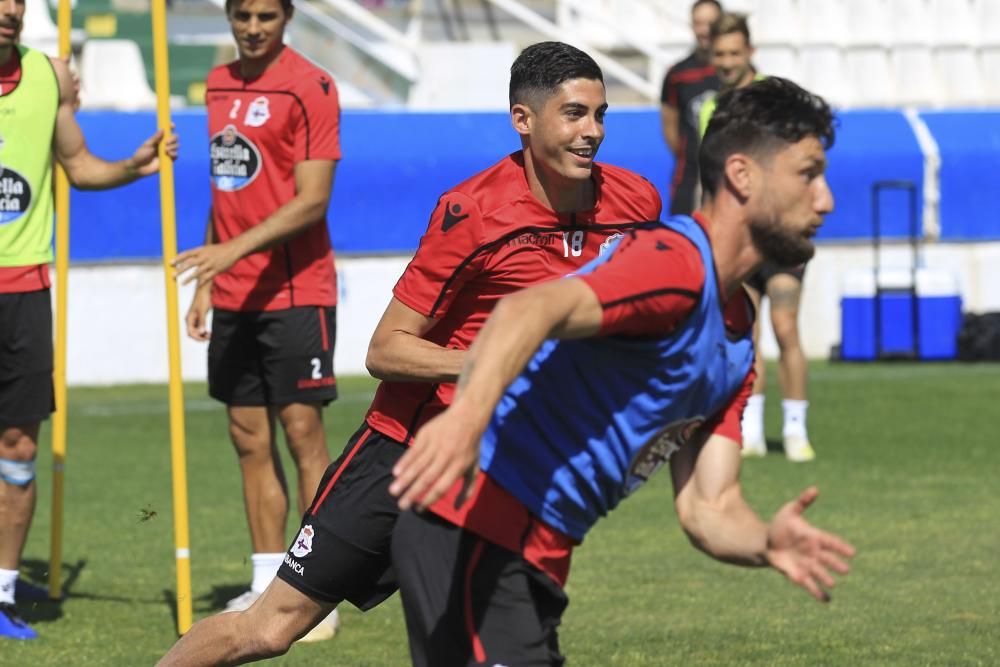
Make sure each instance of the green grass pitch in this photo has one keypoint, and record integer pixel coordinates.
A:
(908, 465)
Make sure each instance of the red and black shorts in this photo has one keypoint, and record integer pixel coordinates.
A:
(768, 270)
(342, 549)
(468, 601)
(258, 358)
(26, 393)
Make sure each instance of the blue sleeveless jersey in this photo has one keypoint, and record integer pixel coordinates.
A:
(590, 420)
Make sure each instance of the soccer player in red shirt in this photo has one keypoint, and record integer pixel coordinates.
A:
(539, 213)
(267, 269)
(577, 391)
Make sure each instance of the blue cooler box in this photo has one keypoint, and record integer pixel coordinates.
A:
(939, 314)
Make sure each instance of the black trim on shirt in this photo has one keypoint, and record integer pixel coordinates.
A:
(531, 230)
(418, 411)
(695, 296)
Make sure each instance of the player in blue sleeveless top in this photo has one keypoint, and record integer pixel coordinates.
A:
(576, 391)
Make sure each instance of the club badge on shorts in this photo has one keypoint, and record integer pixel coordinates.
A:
(303, 545)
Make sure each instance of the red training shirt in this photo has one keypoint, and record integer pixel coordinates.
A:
(259, 130)
(637, 302)
(489, 237)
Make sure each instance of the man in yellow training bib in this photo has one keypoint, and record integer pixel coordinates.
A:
(36, 112)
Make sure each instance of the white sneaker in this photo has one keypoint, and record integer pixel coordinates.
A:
(325, 629)
(798, 449)
(754, 448)
(242, 601)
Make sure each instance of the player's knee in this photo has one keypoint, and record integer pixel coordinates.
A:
(304, 432)
(18, 473)
(249, 443)
(19, 444)
(272, 640)
(786, 332)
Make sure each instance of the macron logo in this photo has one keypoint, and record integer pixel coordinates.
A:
(451, 216)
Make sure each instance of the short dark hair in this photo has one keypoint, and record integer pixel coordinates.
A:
(699, 3)
(542, 67)
(286, 5)
(759, 120)
(730, 23)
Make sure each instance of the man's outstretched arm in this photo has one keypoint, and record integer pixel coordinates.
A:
(85, 170)
(718, 521)
(447, 447)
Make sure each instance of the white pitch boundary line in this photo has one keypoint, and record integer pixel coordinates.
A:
(932, 173)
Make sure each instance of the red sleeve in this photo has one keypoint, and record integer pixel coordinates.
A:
(317, 130)
(649, 284)
(447, 257)
(668, 94)
(726, 422)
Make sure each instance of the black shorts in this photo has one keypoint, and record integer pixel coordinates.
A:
(26, 392)
(342, 550)
(768, 270)
(273, 357)
(470, 602)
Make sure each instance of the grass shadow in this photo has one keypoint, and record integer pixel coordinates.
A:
(36, 573)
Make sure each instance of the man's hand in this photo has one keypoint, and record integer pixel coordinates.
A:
(445, 449)
(204, 262)
(197, 315)
(145, 160)
(804, 553)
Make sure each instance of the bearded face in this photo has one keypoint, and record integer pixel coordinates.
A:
(792, 197)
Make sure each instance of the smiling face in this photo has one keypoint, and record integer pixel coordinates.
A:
(11, 20)
(731, 56)
(258, 27)
(788, 200)
(563, 133)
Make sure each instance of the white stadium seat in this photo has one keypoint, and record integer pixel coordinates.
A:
(871, 75)
(961, 76)
(775, 22)
(463, 75)
(822, 71)
(988, 22)
(916, 75)
(112, 76)
(780, 61)
(989, 61)
(868, 22)
(824, 22)
(911, 22)
(742, 6)
(954, 22)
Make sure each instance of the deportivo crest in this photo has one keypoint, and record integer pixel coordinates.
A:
(303, 544)
(658, 451)
(258, 112)
(235, 160)
(608, 243)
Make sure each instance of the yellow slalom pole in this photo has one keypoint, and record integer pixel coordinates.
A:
(177, 453)
(59, 371)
